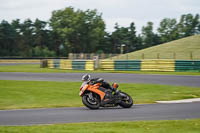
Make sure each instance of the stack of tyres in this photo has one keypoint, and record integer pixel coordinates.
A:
(127, 65)
(187, 65)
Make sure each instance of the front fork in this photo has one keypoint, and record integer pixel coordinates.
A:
(91, 96)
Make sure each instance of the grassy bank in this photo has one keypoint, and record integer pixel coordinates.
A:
(181, 49)
(37, 69)
(174, 126)
(44, 94)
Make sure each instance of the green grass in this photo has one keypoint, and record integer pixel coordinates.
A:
(31, 68)
(36, 94)
(173, 126)
(182, 47)
(44, 94)
(37, 69)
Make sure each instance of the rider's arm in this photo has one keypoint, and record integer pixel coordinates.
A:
(106, 85)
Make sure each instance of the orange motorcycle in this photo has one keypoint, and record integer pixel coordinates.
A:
(95, 96)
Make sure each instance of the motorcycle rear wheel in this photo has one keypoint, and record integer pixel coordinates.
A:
(127, 101)
(91, 100)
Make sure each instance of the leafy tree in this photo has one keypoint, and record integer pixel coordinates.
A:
(124, 35)
(17, 36)
(45, 52)
(134, 42)
(26, 44)
(188, 25)
(40, 33)
(105, 45)
(79, 31)
(115, 39)
(149, 38)
(119, 37)
(7, 39)
(168, 30)
(43, 36)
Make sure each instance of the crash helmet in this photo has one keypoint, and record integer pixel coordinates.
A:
(86, 77)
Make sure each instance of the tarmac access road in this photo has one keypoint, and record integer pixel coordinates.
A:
(179, 111)
(193, 81)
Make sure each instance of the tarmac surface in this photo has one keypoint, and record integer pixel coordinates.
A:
(181, 101)
(193, 81)
(72, 115)
(14, 64)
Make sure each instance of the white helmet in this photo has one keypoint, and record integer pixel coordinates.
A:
(86, 77)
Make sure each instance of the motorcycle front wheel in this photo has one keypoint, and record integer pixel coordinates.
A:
(126, 100)
(91, 100)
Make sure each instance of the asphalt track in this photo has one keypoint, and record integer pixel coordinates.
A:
(193, 81)
(14, 64)
(72, 115)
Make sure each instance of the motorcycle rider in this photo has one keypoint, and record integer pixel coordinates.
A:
(106, 85)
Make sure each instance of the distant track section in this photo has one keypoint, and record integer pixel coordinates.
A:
(13, 64)
(110, 77)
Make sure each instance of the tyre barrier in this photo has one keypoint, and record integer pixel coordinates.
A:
(158, 65)
(187, 65)
(166, 65)
(107, 64)
(121, 65)
(71, 64)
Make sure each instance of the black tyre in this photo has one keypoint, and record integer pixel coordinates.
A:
(126, 100)
(91, 100)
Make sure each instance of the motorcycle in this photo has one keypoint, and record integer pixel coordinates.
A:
(94, 96)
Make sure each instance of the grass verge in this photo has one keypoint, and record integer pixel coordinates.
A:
(173, 126)
(45, 94)
(37, 69)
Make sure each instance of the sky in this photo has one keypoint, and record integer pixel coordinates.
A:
(122, 12)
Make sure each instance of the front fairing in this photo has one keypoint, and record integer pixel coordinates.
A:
(83, 84)
(84, 87)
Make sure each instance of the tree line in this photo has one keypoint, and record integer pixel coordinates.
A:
(77, 31)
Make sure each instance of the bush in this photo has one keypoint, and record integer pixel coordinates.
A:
(45, 52)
